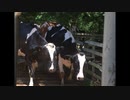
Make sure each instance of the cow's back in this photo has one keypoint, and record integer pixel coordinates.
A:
(60, 36)
(24, 29)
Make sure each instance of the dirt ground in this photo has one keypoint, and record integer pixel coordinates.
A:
(41, 78)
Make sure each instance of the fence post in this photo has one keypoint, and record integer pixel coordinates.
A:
(108, 61)
(16, 14)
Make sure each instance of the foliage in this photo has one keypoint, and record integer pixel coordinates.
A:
(91, 22)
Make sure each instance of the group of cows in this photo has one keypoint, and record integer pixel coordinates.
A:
(54, 46)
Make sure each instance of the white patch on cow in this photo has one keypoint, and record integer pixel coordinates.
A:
(51, 48)
(68, 34)
(53, 34)
(62, 28)
(45, 24)
(45, 35)
(29, 70)
(29, 34)
(37, 25)
(81, 59)
(49, 28)
(58, 25)
(31, 81)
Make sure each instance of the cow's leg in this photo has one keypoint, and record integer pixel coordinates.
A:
(31, 81)
(61, 70)
(31, 74)
(71, 73)
(34, 65)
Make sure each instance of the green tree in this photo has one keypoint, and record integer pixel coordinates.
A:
(91, 22)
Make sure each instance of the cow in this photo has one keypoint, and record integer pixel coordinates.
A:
(24, 29)
(68, 55)
(38, 50)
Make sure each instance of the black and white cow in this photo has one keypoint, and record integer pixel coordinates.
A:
(38, 50)
(24, 29)
(68, 55)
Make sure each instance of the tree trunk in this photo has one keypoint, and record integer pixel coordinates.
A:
(108, 61)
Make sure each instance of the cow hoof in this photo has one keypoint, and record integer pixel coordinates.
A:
(30, 84)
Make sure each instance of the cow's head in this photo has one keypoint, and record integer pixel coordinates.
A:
(79, 62)
(46, 54)
(53, 56)
(46, 26)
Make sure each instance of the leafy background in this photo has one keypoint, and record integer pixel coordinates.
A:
(90, 22)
